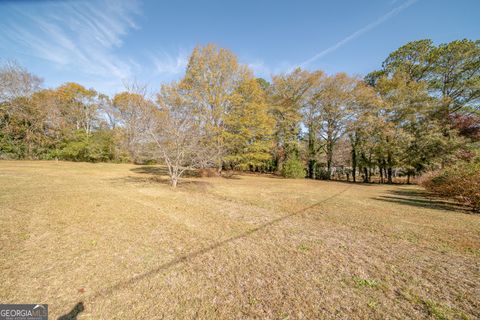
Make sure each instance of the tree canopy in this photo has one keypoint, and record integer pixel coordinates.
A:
(418, 112)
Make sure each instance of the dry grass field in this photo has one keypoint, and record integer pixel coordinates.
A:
(111, 241)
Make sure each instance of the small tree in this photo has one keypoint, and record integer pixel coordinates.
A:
(293, 168)
(176, 133)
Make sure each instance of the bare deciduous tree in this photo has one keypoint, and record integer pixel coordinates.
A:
(16, 82)
(130, 107)
(176, 132)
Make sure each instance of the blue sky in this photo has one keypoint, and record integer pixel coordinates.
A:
(102, 43)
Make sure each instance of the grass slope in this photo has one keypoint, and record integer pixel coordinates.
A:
(108, 241)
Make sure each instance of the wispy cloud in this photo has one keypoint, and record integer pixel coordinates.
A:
(261, 69)
(167, 64)
(78, 35)
(359, 32)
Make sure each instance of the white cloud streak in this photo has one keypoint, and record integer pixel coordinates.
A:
(359, 32)
(261, 69)
(167, 64)
(81, 36)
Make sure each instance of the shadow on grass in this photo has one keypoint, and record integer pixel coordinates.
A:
(159, 175)
(158, 170)
(162, 171)
(72, 315)
(182, 183)
(189, 256)
(422, 199)
(358, 183)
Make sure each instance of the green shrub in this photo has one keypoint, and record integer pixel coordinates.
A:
(293, 168)
(97, 147)
(461, 181)
(321, 173)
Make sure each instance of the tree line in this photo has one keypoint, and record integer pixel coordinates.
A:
(417, 113)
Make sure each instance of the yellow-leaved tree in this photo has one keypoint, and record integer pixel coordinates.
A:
(249, 128)
(212, 77)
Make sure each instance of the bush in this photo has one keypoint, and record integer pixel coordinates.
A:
(293, 168)
(321, 173)
(461, 181)
(97, 147)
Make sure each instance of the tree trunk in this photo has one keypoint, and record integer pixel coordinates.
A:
(354, 163)
(329, 158)
(365, 174)
(311, 168)
(312, 163)
(389, 175)
(389, 171)
(174, 181)
(384, 168)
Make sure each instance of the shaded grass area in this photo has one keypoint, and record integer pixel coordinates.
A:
(151, 170)
(161, 171)
(99, 241)
(422, 199)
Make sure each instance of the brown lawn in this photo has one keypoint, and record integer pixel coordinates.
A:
(118, 240)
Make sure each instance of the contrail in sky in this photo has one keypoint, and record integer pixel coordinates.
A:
(359, 32)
